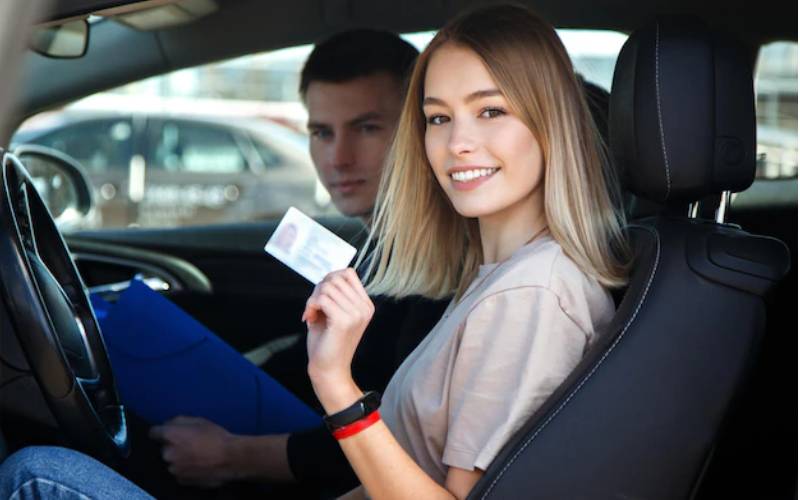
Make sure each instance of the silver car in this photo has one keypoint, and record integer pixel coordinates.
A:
(175, 170)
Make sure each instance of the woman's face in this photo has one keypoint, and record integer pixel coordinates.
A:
(484, 157)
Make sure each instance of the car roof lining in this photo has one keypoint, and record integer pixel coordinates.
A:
(741, 16)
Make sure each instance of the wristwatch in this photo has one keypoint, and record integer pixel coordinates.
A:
(367, 404)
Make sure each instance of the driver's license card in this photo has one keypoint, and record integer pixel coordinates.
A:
(307, 247)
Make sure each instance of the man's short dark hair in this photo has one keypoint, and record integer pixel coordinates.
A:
(356, 53)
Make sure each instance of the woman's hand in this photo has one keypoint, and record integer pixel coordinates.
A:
(337, 313)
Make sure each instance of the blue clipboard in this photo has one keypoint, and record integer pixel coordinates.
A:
(166, 364)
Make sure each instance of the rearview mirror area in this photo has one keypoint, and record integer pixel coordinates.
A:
(61, 183)
(61, 41)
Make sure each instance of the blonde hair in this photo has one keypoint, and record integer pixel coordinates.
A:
(422, 245)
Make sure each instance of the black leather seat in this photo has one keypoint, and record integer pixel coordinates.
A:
(639, 416)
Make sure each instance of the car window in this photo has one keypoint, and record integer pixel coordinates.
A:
(193, 147)
(593, 52)
(223, 142)
(775, 185)
(99, 145)
(776, 111)
(266, 153)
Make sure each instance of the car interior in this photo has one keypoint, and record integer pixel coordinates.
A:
(691, 393)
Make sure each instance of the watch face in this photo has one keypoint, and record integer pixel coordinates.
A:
(368, 403)
(371, 402)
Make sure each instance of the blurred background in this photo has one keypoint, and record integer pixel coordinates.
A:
(227, 142)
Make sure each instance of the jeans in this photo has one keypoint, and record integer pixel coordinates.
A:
(47, 472)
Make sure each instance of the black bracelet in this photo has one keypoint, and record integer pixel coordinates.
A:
(368, 403)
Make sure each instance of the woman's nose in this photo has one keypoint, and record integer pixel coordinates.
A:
(462, 138)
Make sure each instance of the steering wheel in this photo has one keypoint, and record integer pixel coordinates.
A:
(52, 317)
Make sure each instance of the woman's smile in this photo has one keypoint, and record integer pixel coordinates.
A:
(468, 178)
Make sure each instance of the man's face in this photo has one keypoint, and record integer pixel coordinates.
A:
(351, 126)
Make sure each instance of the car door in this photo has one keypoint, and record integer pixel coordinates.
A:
(195, 172)
(284, 174)
(219, 274)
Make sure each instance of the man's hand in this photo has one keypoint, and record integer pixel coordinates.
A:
(197, 452)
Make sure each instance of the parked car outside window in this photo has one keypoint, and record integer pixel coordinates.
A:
(166, 170)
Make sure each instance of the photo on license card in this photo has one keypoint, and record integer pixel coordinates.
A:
(307, 247)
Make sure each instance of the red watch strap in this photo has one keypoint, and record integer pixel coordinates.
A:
(357, 426)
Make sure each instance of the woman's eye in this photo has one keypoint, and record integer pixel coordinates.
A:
(492, 112)
(437, 119)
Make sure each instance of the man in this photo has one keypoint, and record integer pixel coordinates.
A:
(353, 86)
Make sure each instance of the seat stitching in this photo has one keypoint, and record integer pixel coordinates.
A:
(660, 120)
(591, 373)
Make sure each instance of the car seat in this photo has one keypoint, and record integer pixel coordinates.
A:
(639, 416)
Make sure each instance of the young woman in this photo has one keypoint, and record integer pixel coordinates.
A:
(497, 190)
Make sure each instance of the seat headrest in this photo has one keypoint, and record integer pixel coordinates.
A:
(682, 112)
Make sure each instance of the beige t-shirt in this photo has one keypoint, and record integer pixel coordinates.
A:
(493, 358)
